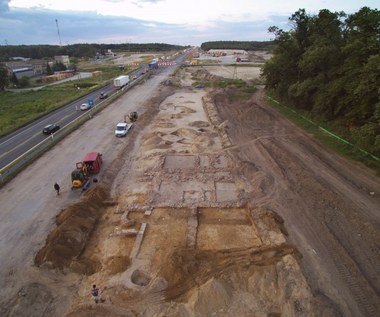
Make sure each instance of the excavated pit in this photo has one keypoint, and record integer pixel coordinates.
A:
(186, 237)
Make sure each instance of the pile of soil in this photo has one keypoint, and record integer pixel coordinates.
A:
(204, 76)
(74, 227)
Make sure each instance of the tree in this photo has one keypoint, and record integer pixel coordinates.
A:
(49, 71)
(329, 64)
(14, 79)
(58, 66)
(4, 78)
(319, 64)
(286, 55)
(24, 82)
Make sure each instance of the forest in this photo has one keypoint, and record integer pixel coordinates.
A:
(328, 67)
(79, 50)
(89, 50)
(242, 45)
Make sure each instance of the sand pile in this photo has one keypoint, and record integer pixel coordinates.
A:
(205, 76)
(74, 227)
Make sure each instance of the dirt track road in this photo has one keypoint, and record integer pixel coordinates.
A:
(212, 244)
(331, 207)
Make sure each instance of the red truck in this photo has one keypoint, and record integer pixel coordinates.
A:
(90, 165)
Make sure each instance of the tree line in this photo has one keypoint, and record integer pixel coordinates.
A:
(328, 65)
(238, 45)
(79, 50)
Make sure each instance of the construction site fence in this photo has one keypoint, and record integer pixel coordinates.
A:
(337, 137)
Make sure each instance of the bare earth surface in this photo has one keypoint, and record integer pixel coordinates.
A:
(207, 208)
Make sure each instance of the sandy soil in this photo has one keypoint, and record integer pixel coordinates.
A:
(241, 72)
(207, 208)
(131, 59)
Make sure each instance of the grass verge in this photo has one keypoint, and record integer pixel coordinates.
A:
(345, 149)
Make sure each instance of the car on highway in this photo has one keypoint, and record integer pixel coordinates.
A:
(50, 128)
(122, 129)
(103, 95)
(85, 106)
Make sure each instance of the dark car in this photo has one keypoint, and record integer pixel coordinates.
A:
(103, 95)
(51, 128)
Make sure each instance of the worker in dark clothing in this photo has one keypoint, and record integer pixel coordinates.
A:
(95, 292)
(57, 188)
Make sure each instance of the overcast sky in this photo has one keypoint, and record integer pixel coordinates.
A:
(189, 22)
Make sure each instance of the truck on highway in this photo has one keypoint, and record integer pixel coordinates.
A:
(153, 64)
(121, 81)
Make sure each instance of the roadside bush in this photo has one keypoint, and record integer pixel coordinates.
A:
(24, 82)
(85, 85)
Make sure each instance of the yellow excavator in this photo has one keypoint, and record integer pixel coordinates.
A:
(90, 165)
(132, 116)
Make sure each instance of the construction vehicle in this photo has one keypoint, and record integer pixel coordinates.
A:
(81, 176)
(132, 117)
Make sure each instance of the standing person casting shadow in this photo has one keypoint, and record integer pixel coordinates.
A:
(57, 188)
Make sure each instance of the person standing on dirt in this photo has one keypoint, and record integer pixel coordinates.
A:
(57, 188)
(95, 292)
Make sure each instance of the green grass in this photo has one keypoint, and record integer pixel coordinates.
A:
(349, 151)
(19, 108)
(108, 71)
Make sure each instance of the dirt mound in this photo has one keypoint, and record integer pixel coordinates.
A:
(199, 124)
(212, 296)
(186, 133)
(187, 268)
(155, 141)
(184, 109)
(74, 227)
(204, 75)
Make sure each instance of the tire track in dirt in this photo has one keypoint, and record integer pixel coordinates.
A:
(361, 255)
(355, 262)
(358, 279)
(301, 173)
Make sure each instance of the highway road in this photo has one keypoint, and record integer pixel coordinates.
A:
(15, 144)
(20, 141)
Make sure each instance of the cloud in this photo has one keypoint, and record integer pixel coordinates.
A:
(4, 5)
(82, 27)
(92, 27)
(150, 25)
(151, 1)
(142, 21)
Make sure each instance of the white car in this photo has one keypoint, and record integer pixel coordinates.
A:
(122, 129)
(85, 106)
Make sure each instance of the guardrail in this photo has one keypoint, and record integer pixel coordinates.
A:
(17, 165)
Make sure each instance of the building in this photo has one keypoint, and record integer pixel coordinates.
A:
(23, 72)
(64, 59)
(26, 67)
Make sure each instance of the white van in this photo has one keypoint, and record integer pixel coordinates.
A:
(122, 129)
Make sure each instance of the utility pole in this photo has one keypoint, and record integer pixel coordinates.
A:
(59, 35)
